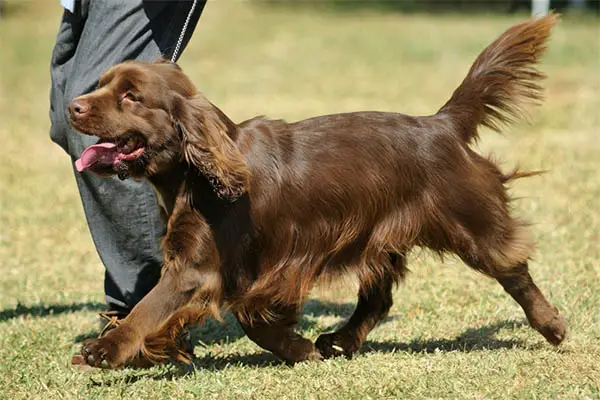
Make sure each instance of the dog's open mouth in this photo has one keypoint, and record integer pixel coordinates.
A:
(108, 153)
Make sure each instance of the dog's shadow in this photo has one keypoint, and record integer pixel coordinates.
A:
(473, 339)
(213, 333)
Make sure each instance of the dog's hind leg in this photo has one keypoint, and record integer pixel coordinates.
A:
(542, 315)
(277, 335)
(374, 303)
(508, 265)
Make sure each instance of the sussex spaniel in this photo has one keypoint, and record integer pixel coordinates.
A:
(259, 211)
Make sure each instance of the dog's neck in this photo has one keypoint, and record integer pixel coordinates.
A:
(167, 186)
(180, 179)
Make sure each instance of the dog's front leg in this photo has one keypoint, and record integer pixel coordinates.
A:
(123, 344)
(190, 275)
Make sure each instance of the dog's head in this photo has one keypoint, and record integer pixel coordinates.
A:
(150, 118)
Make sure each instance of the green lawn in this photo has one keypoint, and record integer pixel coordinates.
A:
(451, 333)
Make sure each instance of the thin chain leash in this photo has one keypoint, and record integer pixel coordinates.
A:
(183, 30)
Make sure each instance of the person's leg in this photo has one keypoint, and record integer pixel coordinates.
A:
(123, 217)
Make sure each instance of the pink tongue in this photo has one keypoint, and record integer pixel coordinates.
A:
(105, 153)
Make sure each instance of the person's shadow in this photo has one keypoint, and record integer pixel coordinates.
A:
(42, 310)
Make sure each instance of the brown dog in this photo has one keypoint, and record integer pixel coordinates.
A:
(259, 211)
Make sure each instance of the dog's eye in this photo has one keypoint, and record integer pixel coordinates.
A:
(130, 96)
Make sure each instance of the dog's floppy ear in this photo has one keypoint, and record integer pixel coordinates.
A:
(207, 140)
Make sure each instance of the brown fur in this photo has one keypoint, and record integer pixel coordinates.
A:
(259, 211)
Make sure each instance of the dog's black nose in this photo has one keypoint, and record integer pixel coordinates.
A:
(78, 108)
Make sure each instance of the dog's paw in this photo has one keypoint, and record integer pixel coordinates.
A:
(332, 345)
(99, 352)
(107, 352)
(554, 328)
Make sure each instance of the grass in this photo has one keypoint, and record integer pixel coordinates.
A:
(451, 333)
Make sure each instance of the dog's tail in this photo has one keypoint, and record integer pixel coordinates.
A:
(501, 79)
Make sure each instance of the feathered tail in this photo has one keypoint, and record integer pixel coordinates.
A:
(502, 79)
